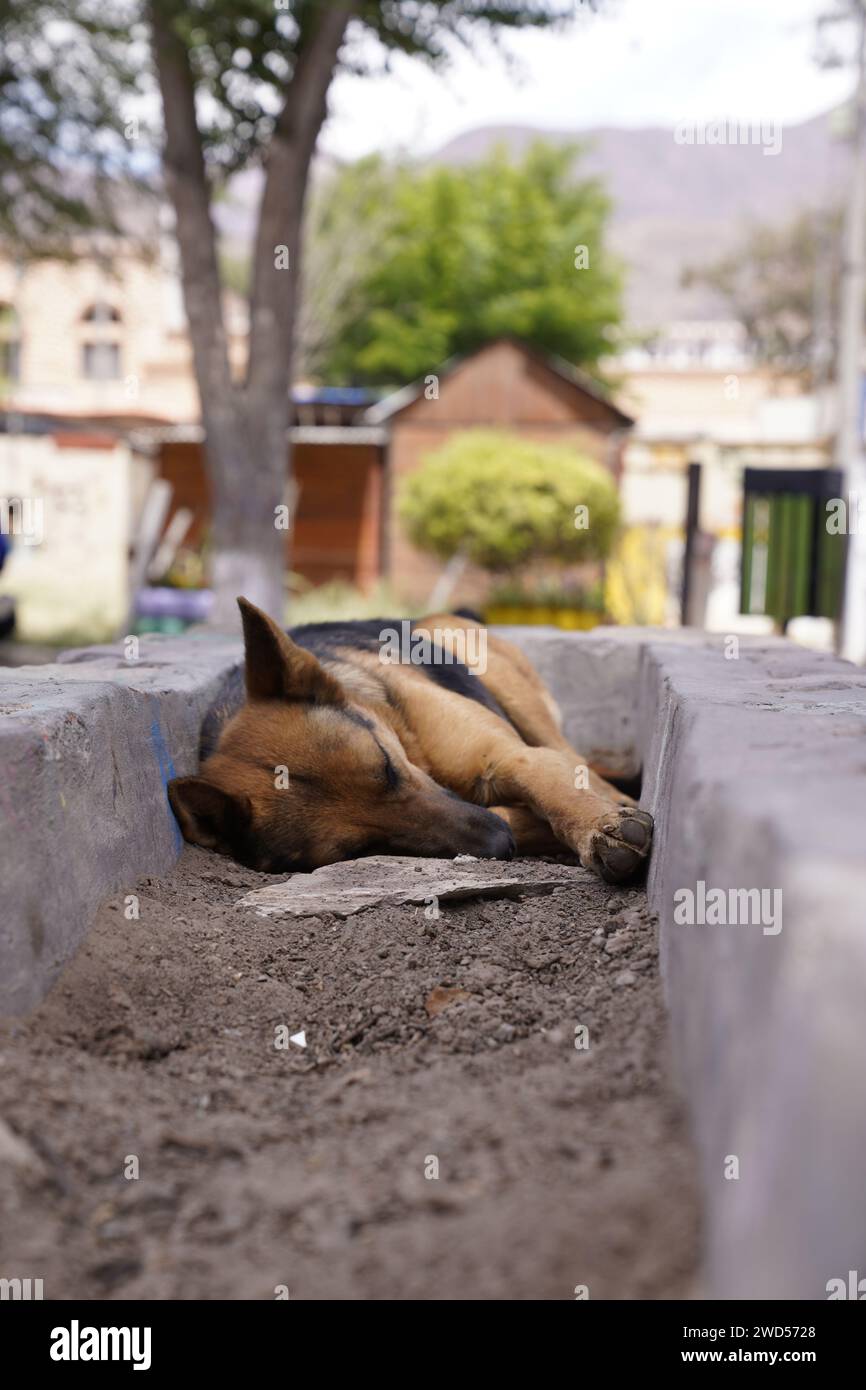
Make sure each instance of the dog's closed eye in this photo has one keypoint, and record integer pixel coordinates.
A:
(392, 776)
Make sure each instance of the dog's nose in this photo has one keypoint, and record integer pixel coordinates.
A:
(496, 839)
(505, 846)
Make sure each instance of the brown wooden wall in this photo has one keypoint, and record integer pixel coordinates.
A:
(338, 517)
(500, 387)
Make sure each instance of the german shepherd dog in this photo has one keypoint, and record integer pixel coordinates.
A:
(338, 752)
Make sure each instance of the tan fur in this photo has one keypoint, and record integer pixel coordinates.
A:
(338, 726)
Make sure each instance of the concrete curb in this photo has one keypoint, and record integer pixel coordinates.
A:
(756, 772)
(86, 747)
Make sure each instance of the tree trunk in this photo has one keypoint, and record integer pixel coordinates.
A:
(245, 425)
(249, 537)
(443, 589)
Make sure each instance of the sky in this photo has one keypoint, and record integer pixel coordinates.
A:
(635, 63)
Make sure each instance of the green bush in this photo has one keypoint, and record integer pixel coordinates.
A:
(504, 501)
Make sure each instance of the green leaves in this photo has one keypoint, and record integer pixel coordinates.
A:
(474, 253)
(504, 501)
(244, 52)
(67, 69)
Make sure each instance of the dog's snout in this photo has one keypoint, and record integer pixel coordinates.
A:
(493, 838)
(504, 846)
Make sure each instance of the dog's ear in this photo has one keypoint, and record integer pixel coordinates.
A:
(207, 815)
(277, 668)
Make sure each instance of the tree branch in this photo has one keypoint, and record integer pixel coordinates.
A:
(272, 299)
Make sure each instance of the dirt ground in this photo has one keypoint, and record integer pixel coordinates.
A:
(263, 1169)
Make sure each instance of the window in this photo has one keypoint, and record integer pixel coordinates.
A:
(101, 361)
(100, 352)
(101, 313)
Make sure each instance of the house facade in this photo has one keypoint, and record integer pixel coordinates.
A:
(350, 458)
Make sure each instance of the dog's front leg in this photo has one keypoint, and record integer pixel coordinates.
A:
(611, 839)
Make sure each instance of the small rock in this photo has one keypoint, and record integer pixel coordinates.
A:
(635, 918)
(441, 997)
(15, 1150)
(482, 974)
(119, 996)
(624, 978)
(505, 1032)
(616, 944)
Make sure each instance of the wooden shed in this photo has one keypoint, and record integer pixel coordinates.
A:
(337, 470)
(338, 490)
(504, 385)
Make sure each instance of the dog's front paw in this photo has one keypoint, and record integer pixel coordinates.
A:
(617, 848)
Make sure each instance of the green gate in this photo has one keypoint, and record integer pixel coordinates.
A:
(791, 565)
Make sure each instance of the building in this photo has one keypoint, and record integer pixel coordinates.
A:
(100, 340)
(350, 456)
(722, 411)
(99, 345)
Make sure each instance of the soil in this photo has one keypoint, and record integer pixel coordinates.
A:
(442, 1044)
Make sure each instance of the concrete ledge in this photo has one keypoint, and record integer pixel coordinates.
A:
(594, 677)
(86, 747)
(756, 772)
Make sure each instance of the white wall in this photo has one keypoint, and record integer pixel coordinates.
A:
(69, 572)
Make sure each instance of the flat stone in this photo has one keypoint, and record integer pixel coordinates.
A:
(393, 880)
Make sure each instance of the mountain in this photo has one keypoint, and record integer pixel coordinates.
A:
(678, 204)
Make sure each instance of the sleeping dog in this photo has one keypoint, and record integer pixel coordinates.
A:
(341, 751)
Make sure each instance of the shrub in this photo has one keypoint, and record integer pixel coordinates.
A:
(503, 501)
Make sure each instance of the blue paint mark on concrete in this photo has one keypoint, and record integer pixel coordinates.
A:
(166, 772)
